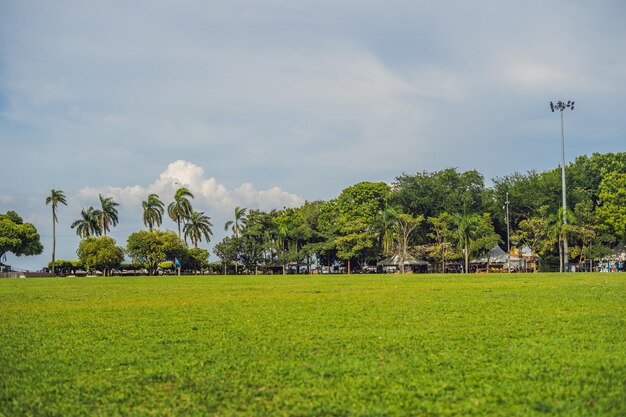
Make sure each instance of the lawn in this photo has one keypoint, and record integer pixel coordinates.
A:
(361, 345)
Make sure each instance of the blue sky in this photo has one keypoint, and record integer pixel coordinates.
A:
(265, 104)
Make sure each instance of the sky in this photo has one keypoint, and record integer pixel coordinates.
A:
(266, 104)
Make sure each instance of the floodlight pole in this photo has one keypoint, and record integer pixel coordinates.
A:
(508, 244)
(565, 256)
(562, 106)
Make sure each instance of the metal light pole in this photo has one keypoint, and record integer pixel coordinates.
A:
(562, 106)
(508, 244)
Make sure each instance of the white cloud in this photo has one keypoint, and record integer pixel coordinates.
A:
(6, 199)
(207, 191)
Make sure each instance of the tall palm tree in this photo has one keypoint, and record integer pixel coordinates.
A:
(108, 213)
(384, 223)
(180, 209)
(467, 226)
(89, 223)
(153, 209)
(55, 198)
(239, 222)
(198, 225)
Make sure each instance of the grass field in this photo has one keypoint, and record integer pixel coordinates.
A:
(363, 345)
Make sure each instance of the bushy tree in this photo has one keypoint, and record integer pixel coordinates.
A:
(405, 225)
(432, 193)
(612, 199)
(197, 259)
(100, 253)
(150, 248)
(441, 237)
(18, 237)
(228, 251)
(357, 208)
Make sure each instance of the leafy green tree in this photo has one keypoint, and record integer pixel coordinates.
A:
(612, 199)
(108, 214)
(587, 172)
(313, 244)
(385, 222)
(536, 233)
(561, 230)
(432, 193)
(328, 230)
(197, 226)
(228, 251)
(405, 225)
(256, 239)
(441, 236)
(18, 237)
(153, 210)
(151, 248)
(358, 207)
(527, 194)
(486, 236)
(89, 223)
(291, 223)
(467, 226)
(55, 198)
(197, 259)
(474, 234)
(100, 253)
(280, 231)
(65, 267)
(239, 221)
(180, 209)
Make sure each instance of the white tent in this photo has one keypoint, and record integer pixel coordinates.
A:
(496, 256)
(619, 253)
(396, 260)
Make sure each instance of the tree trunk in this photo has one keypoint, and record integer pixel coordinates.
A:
(560, 254)
(53, 240)
(348, 266)
(466, 252)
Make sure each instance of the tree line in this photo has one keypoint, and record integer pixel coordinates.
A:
(440, 216)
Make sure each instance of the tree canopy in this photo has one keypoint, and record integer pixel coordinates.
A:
(100, 253)
(17, 237)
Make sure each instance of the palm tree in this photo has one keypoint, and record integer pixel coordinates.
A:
(198, 225)
(89, 223)
(55, 198)
(108, 214)
(239, 222)
(467, 226)
(153, 209)
(180, 209)
(384, 223)
(559, 231)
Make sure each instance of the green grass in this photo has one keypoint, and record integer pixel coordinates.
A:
(363, 345)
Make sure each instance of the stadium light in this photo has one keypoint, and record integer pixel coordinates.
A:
(560, 105)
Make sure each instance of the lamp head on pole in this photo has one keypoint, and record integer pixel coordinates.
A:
(561, 105)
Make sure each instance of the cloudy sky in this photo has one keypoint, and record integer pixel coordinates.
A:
(266, 104)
